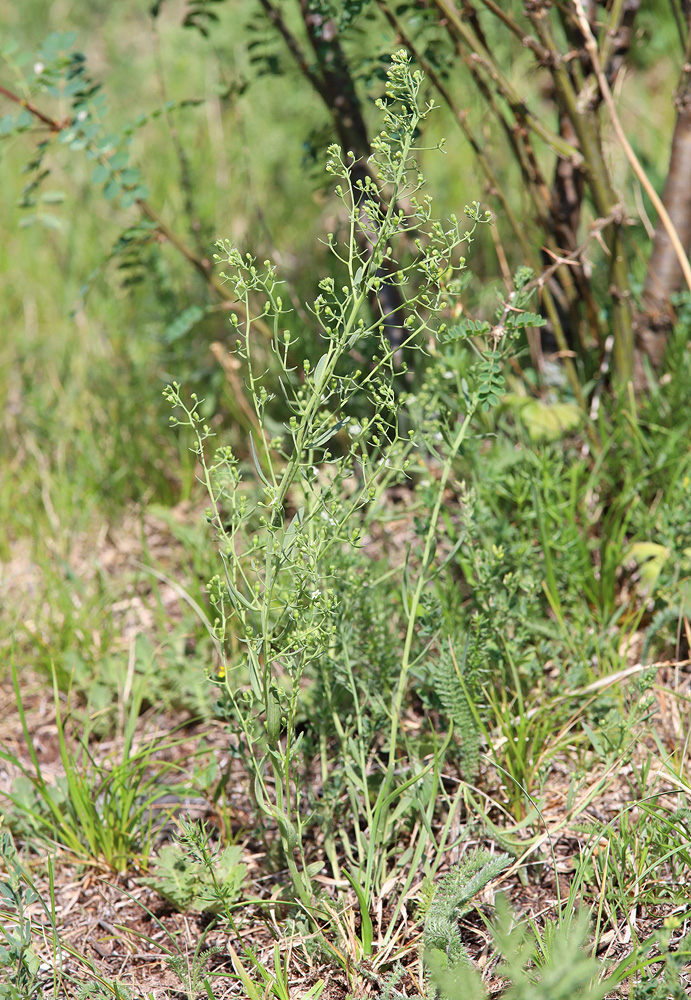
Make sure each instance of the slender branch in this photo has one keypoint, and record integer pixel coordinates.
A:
(574, 258)
(497, 190)
(517, 134)
(53, 124)
(200, 263)
(186, 183)
(501, 82)
(584, 97)
(335, 87)
(595, 168)
(276, 18)
(640, 173)
(338, 87)
(528, 40)
(593, 162)
(616, 35)
(461, 118)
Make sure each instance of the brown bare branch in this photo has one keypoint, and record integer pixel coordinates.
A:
(53, 124)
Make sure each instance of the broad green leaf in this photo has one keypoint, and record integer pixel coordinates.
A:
(111, 190)
(651, 557)
(549, 422)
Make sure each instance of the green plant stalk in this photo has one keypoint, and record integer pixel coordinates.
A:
(592, 163)
(427, 556)
(359, 778)
(334, 350)
(461, 120)
(385, 800)
(426, 817)
(283, 775)
(551, 580)
(534, 181)
(385, 794)
(541, 206)
(20, 895)
(366, 929)
(609, 29)
(527, 40)
(261, 681)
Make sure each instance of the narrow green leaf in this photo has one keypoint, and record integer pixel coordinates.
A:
(366, 928)
(51, 221)
(321, 367)
(53, 197)
(257, 465)
(326, 435)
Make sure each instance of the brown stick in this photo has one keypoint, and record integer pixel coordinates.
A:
(53, 124)
(664, 274)
(630, 155)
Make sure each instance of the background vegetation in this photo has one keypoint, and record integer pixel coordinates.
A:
(491, 666)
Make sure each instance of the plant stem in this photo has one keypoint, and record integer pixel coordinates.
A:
(427, 556)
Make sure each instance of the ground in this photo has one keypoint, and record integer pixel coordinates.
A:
(115, 929)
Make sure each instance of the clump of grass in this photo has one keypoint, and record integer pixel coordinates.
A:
(103, 812)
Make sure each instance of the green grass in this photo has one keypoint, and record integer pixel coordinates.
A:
(480, 680)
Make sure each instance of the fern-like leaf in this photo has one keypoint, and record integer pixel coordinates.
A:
(452, 899)
(458, 684)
